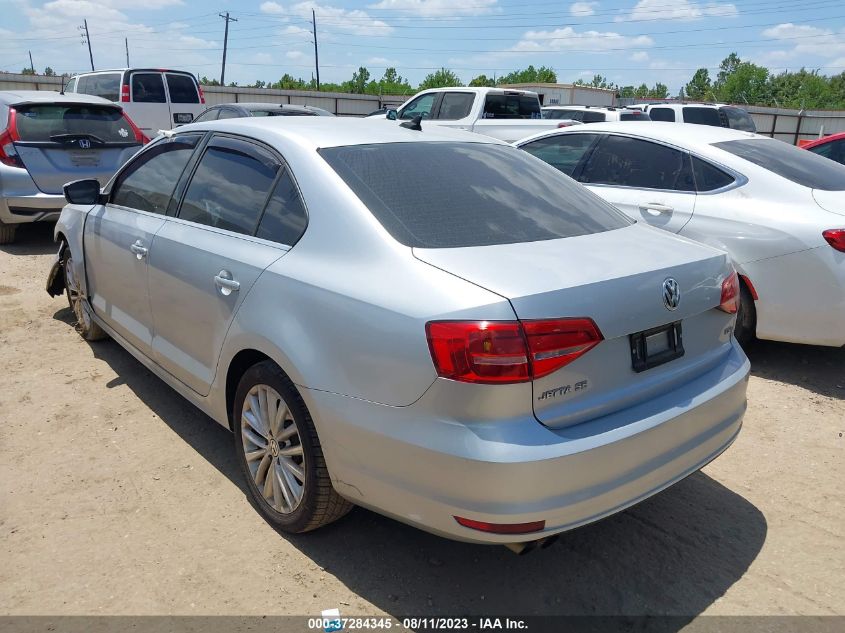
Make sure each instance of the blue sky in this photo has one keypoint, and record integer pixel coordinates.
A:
(628, 41)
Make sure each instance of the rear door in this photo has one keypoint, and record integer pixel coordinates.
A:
(184, 98)
(60, 142)
(118, 236)
(204, 261)
(148, 105)
(648, 181)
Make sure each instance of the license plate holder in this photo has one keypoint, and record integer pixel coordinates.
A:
(182, 117)
(90, 158)
(656, 346)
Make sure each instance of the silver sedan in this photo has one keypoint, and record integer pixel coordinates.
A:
(429, 323)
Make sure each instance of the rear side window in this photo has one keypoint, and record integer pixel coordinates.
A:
(662, 114)
(284, 219)
(507, 106)
(468, 194)
(148, 88)
(798, 165)
(702, 116)
(148, 182)
(105, 85)
(563, 152)
(709, 177)
(182, 88)
(631, 162)
(230, 186)
(739, 119)
(455, 105)
(58, 123)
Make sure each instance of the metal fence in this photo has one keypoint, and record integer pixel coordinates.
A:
(796, 125)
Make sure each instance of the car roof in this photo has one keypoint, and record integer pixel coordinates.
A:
(587, 107)
(256, 105)
(318, 132)
(682, 134)
(138, 69)
(12, 97)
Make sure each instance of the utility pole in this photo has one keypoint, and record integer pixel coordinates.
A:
(316, 54)
(126, 41)
(225, 44)
(87, 39)
(31, 65)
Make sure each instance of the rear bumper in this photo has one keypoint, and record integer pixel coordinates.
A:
(40, 207)
(424, 471)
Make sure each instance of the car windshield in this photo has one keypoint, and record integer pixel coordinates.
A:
(49, 122)
(799, 166)
(446, 195)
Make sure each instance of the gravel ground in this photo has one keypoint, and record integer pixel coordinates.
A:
(118, 497)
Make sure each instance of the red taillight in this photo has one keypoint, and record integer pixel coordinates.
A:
(836, 238)
(139, 135)
(124, 93)
(502, 528)
(508, 351)
(729, 301)
(8, 153)
(564, 124)
(202, 96)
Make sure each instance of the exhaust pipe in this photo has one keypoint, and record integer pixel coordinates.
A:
(520, 549)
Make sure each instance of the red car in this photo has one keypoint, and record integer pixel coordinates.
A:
(832, 147)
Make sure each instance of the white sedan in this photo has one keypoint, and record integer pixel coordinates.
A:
(779, 211)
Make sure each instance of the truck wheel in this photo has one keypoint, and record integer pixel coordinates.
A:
(7, 233)
(85, 325)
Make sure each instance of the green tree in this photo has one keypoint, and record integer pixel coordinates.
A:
(49, 72)
(530, 75)
(205, 81)
(391, 83)
(660, 91)
(699, 87)
(641, 91)
(727, 67)
(358, 83)
(442, 78)
(482, 81)
(596, 82)
(626, 92)
(746, 83)
(27, 71)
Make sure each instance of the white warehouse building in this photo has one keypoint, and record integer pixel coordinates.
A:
(568, 94)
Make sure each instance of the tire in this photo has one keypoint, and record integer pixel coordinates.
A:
(85, 325)
(746, 318)
(300, 496)
(7, 233)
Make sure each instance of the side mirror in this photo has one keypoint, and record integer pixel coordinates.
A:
(392, 115)
(82, 191)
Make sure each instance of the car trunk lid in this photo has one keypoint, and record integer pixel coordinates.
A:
(833, 201)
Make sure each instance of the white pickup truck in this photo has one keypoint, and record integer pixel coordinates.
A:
(508, 115)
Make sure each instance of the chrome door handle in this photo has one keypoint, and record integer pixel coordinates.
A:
(656, 206)
(139, 249)
(223, 280)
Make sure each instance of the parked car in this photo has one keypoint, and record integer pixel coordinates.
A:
(238, 110)
(714, 114)
(593, 114)
(47, 139)
(480, 348)
(507, 115)
(776, 209)
(155, 98)
(832, 147)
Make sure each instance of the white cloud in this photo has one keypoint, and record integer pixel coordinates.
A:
(429, 8)
(804, 39)
(381, 61)
(295, 55)
(272, 7)
(583, 9)
(568, 38)
(651, 10)
(639, 56)
(331, 18)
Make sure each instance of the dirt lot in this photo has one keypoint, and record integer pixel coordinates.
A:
(118, 497)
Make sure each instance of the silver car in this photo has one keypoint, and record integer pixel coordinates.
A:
(428, 323)
(48, 139)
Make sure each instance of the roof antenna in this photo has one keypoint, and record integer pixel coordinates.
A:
(413, 124)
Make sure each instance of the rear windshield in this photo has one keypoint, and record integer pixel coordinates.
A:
(50, 122)
(799, 166)
(562, 114)
(446, 195)
(182, 89)
(512, 107)
(634, 116)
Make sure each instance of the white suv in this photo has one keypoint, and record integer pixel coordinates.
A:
(715, 114)
(593, 114)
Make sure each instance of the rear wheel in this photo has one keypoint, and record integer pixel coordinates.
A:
(280, 454)
(7, 233)
(746, 317)
(85, 325)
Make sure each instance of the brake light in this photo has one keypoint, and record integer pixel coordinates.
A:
(202, 96)
(502, 528)
(8, 153)
(139, 135)
(564, 124)
(729, 301)
(501, 352)
(836, 238)
(124, 93)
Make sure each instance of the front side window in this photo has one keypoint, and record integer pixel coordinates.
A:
(468, 194)
(421, 106)
(284, 219)
(797, 165)
(148, 88)
(455, 105)
(702, 116)
(506, 106)
(182, 88)
(631, 162)
(563, 152)
(230, 186)
(148, 182)
(662, 114)
(709, 177)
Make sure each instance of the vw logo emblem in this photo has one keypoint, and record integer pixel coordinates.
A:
(671, 294)
(84, 143)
